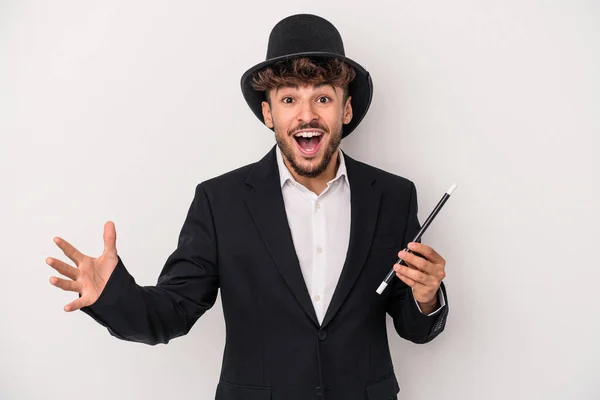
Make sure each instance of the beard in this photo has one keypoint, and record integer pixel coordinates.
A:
(313, 170)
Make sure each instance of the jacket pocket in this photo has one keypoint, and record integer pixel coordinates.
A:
(385, 389)
(384, 242)
(230, 391)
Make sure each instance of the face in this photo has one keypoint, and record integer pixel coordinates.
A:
(308, 124)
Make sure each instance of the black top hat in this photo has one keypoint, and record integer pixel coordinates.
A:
(306, 35)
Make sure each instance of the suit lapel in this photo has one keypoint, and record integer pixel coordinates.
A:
(265, 202)
(364, 203)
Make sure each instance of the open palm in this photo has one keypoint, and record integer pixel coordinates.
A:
(91, 274)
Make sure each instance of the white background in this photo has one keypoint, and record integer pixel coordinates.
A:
(114, 110)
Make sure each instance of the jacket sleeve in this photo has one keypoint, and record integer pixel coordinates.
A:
(409, 322)
(187, 286)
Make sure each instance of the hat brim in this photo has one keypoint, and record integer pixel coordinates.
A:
(361, 88)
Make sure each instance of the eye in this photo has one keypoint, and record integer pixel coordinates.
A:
(287, 100)
(324, 99)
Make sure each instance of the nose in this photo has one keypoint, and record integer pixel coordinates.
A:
(307, 112)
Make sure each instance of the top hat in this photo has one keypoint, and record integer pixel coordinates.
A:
(306, 35)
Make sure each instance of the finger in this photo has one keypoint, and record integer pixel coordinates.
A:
(414, 274)
(110, 238)
(427, 251)
(69, 250)
(406, 280)
(417, 262)
(435, 270)
(65, 284)
(62, 268)
(77, 304)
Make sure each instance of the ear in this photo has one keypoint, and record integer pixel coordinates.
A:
(266, 112)
(348, 110)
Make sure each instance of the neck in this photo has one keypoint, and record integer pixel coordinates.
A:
(318, 183)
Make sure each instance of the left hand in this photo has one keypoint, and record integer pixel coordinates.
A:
(424, 276)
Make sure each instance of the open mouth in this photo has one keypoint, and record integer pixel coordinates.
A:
(309, 142)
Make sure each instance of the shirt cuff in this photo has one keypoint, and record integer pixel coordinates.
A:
(441, 299)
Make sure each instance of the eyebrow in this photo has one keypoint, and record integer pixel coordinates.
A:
(316, 86)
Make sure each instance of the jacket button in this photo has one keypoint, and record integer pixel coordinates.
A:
(318, 391)
(322, 335)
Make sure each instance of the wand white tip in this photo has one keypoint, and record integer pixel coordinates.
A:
(381, 287)
(452, 189)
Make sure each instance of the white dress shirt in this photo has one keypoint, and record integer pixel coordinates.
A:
(320, 226)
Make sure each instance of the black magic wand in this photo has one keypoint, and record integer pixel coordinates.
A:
(400, 261)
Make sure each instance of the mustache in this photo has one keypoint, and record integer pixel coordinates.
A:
(314, 124)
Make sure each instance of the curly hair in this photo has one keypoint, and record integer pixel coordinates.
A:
(304, 71)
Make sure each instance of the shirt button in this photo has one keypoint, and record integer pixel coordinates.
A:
(318, 391)
(318, 206)
(319, 249)
(317, 298)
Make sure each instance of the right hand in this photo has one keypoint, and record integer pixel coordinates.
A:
(91, 274)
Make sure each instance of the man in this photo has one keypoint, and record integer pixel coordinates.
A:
(298, 243)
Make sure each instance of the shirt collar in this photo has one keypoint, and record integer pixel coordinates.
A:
(285, 174)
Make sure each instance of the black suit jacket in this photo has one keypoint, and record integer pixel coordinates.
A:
(236, 238)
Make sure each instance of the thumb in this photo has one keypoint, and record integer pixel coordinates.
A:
(110, 238)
